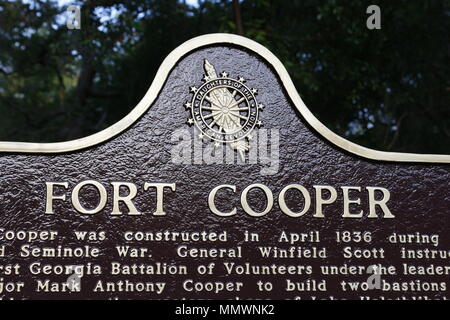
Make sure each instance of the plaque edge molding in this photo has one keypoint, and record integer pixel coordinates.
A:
(158, 82)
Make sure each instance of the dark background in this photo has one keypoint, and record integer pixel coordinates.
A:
(386, 89)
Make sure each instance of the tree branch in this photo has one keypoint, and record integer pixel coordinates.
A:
(396, 134)
(6, 73)
(96, 94)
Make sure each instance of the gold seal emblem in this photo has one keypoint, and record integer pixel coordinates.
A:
(225, 110)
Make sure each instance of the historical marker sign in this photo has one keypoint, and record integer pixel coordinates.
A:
(221, 184)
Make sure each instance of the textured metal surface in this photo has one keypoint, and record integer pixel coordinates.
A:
(419, 193)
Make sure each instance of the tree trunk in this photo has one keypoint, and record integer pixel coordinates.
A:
(238, 18)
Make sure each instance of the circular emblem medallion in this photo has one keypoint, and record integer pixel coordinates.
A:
(224, 109)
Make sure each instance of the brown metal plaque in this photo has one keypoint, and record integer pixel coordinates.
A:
(243, 196)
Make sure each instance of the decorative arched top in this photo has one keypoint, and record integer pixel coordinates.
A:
(164, 71)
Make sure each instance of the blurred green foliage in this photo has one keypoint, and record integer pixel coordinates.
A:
(387, 89)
